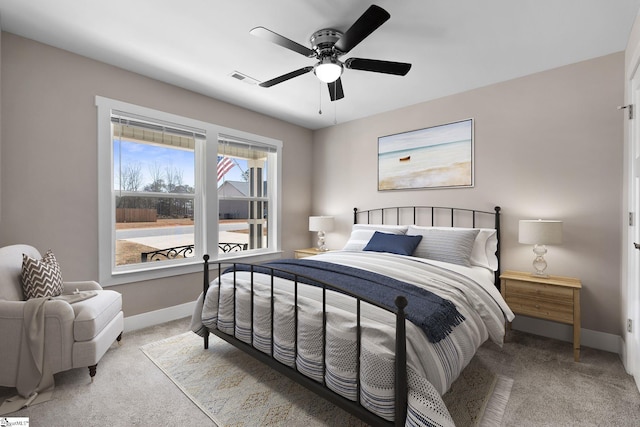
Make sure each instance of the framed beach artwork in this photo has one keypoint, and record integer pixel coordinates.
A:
(435, 157)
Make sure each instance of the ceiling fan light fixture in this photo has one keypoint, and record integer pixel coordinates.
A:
(328, 70)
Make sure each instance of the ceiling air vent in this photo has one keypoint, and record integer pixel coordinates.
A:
(244, 78)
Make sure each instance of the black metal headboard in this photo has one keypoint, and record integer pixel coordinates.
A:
(440, 216)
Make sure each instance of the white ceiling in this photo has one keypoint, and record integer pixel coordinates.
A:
(454, 45)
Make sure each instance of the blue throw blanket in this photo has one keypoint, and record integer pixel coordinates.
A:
(436, 316)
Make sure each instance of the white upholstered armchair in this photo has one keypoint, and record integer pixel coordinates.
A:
(75, 335)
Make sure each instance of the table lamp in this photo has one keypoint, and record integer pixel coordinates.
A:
(321, 224)
(540, 233)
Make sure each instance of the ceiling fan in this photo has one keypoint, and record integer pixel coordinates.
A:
(328, 45)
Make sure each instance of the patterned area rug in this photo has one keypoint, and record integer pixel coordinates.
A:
(478, 397)
(234, 389)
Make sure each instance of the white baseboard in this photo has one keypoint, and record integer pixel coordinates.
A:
(156, 317)
(588, 338)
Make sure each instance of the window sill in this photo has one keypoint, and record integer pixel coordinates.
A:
(196, 266)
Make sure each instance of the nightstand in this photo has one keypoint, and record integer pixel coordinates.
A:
(303, 253)
(552, 298)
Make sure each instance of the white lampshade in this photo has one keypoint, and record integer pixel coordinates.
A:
(320, 223)
(328, 70)
(540, 232)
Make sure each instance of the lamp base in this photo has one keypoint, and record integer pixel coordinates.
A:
(539, 263)
(321, 246)
(540, 275)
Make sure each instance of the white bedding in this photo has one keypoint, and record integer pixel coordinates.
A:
(431, 367)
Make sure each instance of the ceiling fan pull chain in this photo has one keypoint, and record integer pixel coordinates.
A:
(320, 98)
(335, 113)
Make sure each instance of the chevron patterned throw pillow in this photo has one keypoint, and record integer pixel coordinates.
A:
(41, 278)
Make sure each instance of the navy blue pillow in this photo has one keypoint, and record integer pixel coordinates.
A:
(400, 244)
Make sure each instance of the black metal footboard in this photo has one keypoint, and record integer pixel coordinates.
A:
(320, 388)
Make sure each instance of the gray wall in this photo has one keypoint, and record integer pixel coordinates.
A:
(49, 159)
(549, 145)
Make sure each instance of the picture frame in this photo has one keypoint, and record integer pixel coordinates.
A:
(440, 156)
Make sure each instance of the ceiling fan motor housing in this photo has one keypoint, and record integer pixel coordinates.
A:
(322, 41)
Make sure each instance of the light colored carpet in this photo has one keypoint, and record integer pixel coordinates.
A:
(234, 389)
(549, 388)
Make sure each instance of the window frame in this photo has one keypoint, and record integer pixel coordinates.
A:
(206, 205)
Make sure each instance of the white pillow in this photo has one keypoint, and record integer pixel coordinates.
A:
(484, 249)
(362, 233)
(483, 252)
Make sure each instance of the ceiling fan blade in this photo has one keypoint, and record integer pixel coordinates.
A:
(377, 66)
(282, 41)
(368, 22)
(285, 77)
(335, 90)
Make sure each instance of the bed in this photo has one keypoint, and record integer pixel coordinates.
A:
(382, 327)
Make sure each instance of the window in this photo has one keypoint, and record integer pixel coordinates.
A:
(243, 194)
(172, 189)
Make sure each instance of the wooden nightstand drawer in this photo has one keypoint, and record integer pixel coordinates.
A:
(538, 307)
(539, 290)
